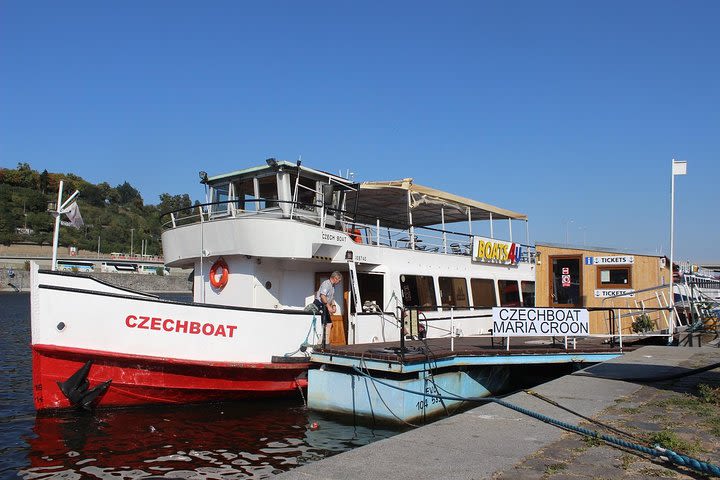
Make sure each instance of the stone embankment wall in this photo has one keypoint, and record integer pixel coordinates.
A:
(142, 283)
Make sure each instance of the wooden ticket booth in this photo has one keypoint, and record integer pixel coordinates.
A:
(581, 277)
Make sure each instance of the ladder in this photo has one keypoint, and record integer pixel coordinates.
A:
(354, 289)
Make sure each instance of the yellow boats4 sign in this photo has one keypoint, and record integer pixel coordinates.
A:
(490, 250)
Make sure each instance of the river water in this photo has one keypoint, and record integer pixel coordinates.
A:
(216, 441)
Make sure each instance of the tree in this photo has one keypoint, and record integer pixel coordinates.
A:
(127, 194)
(44, 181)
(94, 195)
(23, 176)
(170, 203)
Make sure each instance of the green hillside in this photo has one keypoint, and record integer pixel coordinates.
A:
(109, 213)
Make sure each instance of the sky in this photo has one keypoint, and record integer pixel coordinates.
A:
(570, 112)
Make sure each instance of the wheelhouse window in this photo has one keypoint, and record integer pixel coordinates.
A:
(614, 277)
(509, 293)
(245, 194)
(483, 292)
(306, 192)
(267, 192)
(220, 197)
(528, 293)
(417, 290)
(453, 292)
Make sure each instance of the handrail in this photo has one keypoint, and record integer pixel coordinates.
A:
(411, 237)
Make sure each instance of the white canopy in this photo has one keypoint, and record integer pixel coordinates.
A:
(392, 200)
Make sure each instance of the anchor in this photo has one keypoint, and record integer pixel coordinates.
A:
(76, 387)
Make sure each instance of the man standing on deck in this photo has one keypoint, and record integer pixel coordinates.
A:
(324, 302)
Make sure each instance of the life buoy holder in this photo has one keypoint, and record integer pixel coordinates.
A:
(219, 273)
(355, 235)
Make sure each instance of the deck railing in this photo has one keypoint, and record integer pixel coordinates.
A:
(365, 229)
(415, 324)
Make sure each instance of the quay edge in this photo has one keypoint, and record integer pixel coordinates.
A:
(489, 439)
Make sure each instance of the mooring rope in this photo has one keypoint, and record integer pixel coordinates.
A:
(656, 451)
(307, 337)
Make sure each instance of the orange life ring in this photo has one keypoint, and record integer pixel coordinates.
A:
(224, 272)
(355, 235)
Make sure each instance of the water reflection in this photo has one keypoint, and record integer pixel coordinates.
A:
(228, 441)
(239, 440)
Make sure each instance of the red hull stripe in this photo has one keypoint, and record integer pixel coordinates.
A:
(140, 380)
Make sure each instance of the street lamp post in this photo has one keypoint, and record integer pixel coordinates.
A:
(583, 229)
(567, 232)
(679, 167)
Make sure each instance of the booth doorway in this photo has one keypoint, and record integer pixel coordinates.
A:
(565, 281)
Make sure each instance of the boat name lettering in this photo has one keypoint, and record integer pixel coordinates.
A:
(508, 322)
(333, 238)
(180, 326)
(360, 258)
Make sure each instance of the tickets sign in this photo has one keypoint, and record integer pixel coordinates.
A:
(607, 292)
(611, 260)
(489, 250)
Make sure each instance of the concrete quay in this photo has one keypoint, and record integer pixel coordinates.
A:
(491, 441)
(134, 281)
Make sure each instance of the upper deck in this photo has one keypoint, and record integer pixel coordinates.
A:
(321, 211)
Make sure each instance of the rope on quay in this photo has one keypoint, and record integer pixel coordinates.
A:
(656, 451)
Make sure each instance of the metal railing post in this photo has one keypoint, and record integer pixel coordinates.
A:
(402, 332)
(452, 329)
(377, 232)
(657, 296)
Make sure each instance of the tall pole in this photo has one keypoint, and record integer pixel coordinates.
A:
(132, 238)
(56, 233)
(567, 232)
(671, 324)
(584, 229)
(678, 168)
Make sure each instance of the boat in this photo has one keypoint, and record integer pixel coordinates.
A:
(259, 247)
(696, 296)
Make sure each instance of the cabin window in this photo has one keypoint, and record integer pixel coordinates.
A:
(453, 292)
(245, 193)
(220, 198)
(306, 192)
(267, 192)
(483, 291)
(417, 290)
(509, 293)
(528, 293)
(614, 277)
(371, 286)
